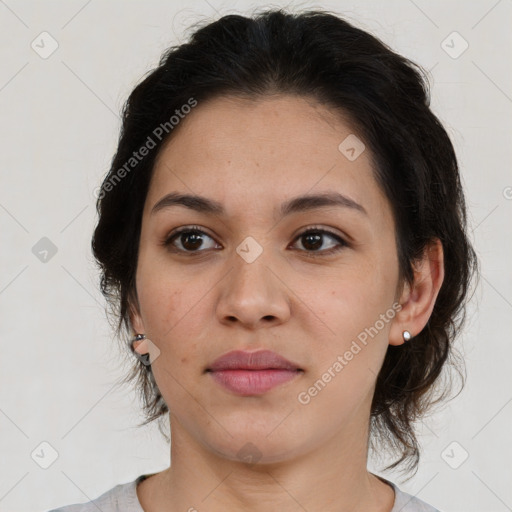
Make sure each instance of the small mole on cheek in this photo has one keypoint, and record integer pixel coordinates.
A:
(184, 360)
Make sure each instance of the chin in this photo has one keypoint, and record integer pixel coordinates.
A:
(256, 448)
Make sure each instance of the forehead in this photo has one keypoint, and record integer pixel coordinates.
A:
(245, 151)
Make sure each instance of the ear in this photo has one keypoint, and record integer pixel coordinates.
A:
(418, 299)
(137, 323)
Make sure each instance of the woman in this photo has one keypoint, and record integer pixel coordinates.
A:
(283, 233)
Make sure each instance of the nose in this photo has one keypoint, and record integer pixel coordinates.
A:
(253, 295)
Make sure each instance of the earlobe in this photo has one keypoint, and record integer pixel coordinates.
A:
(418, 298)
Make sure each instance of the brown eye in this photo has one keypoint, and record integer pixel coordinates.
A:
(190, 240)
(314, 240)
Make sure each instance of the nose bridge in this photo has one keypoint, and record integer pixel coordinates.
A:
(251, 292)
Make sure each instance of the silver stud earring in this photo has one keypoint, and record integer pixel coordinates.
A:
(406, 335)
(136, 337)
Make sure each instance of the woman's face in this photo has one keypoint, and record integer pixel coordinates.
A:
(251, 280)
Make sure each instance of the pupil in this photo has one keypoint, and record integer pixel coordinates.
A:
(192, 240)
(313, 240)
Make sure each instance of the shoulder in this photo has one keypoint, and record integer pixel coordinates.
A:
(121, 498)
(405, 502)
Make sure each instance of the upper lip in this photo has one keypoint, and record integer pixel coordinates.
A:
(259, 360)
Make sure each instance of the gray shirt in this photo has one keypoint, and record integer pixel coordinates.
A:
(123, 498)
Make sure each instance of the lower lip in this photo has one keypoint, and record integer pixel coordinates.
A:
(253, 382)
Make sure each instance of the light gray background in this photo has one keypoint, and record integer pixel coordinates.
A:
(58, 130)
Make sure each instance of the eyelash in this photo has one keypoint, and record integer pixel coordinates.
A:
(314, 254)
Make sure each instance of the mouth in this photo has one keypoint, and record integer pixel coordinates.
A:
(252, 373)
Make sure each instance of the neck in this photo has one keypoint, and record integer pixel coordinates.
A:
(330, 477)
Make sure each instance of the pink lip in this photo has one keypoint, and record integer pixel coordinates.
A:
(253, 382)
(252, 373)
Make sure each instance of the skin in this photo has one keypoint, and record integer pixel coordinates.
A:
(251, 156)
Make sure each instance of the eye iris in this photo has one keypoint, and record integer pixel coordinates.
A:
(191, 240)
(313, 240)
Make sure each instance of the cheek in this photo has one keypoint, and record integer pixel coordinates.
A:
(172, 317)
(174, 311)
(357, 297)
(161, 302)
(350, 355)
(165, 295)
(357, 307)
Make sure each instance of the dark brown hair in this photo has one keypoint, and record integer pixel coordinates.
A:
(318, 55)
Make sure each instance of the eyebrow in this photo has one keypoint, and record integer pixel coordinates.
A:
(295, 205)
